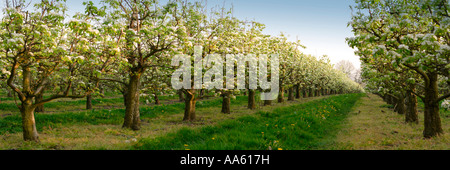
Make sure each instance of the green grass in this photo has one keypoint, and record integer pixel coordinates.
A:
(13, 124)
(304, 126)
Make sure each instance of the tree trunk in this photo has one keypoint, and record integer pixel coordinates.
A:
(400, 105)
(305, 93)
(390, 100)
(38, 99)
(311, 92)
(157, 102)
(226, 102)
(433, 126)
(281, 95)
(411, 115)
(298, 93)
(28, 121)
(291, 96)
(251, 99)
(74, 92)
(89, 102)
(267, 102)
(190, 101)
(132, 118)
(181, 95)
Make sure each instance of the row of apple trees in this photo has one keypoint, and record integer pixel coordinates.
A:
(404, 47)
(129, 45)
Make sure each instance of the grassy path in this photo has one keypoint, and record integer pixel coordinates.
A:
(373, 126)
(303, 126)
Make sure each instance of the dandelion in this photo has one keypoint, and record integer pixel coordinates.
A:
(185, 145)
(280, 149)
(213, 138)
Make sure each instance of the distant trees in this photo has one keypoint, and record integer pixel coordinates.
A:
(346, 67)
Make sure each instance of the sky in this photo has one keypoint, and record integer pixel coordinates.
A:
(320, 25)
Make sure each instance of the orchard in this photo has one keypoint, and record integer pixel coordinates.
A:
(209, 74)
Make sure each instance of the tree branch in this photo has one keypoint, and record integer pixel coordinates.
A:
(421, 72)
(443, 97)
(11, 78)
(421, 97)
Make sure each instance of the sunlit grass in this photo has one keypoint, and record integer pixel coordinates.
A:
(298, 127)
(371, 126)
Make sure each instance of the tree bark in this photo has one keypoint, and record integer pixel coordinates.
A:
(28, 121)
(89, 102)
(132, 118)
(190, 101)
(298, 93)
(311, 92)
(157, 102)
(251, 99)
(400, 105)
(74, 92)
(433, 126)
(181, 95)
(305, 93)
(226, 102)
(38, 99)
(281, 95)
(411, 115)
(291, 96)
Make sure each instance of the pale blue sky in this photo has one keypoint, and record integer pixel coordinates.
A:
(321, 25)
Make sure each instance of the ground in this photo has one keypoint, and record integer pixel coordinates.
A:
(373, 126)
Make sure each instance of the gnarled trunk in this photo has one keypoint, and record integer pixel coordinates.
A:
(28, 121)
(132, 118)
(433, 126)
(411, 115)
(190, 101)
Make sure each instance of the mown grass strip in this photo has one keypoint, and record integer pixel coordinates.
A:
(298, 127)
